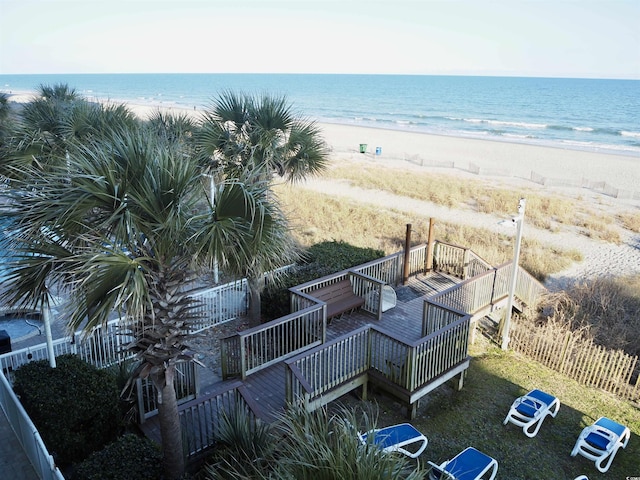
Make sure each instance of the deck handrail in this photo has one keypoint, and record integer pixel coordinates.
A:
(259, 347)
(461, 262)
(201, 416)
(353, 349)
(487, 289)
(363, 284)
(373, 348)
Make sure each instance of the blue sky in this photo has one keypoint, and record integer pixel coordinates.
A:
(556, 38)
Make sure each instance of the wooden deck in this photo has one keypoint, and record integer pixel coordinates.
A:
(267, 387)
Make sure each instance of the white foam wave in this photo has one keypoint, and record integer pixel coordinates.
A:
(515, 135)
(583, 129)
(503, 123)
(602, 146)
(630, 134)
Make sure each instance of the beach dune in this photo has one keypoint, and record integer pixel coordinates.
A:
(563, 167)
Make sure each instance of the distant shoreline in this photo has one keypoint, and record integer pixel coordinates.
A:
(485, 156)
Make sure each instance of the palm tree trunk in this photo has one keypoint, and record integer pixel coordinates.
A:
(256, 285)
(172, 455)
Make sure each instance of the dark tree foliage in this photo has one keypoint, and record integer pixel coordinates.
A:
(74, 406)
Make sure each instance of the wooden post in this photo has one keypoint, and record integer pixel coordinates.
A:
(407, 255)
(431, 242)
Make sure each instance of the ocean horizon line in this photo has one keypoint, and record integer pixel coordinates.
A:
(382, 74)
(601, 115)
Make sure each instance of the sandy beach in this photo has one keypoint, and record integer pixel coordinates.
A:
(586, 176)
(610, 182)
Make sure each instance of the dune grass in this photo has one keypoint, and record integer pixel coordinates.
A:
(318, 217)
(454, 420)
(546, 211)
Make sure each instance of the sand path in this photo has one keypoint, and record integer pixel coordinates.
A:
(600, 258)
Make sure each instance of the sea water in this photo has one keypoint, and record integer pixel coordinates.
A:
(588, 114)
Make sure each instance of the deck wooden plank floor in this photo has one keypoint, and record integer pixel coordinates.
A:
(404, 320)
(267, 386)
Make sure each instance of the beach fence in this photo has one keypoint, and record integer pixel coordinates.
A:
(600, 187)
(579, 358)
(596, 186)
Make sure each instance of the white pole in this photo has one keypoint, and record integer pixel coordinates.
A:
(46, 319)
(519, 220)
(212, 193)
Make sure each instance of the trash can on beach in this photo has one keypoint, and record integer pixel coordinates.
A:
(363, 148)
(378, 150)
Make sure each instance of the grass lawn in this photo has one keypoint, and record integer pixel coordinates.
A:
(454, 420)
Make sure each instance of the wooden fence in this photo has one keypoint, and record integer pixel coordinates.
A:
(579, 358)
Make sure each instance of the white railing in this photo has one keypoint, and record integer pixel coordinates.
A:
(201, 418)
(221, 304)
(103, 347)
(27, 433)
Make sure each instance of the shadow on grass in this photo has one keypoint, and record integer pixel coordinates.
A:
(454, 420)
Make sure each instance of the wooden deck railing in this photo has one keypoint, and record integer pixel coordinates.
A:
(363, 285)
(458, 261)
(332, 366)
(201, 418)
(483, 291)
(187, 384)
(407, 369)
(260, 347)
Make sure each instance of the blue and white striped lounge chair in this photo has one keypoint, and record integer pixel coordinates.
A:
(470, 464)
(530, 410)
(600, 442)
(395, 438)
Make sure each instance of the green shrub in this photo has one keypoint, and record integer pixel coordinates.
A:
(321, 259)
(74, 406)
(245, 448)
(305, 445)
(128, 457)
(338, 256)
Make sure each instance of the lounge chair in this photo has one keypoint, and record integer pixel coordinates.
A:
(470, 464)
(530, 410)
(600, 442)
(395, 437)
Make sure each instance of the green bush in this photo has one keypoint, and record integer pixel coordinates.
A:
(128, 457)
(305, 445)
(338, 256)
(74, 406)
(321, 259)
(245, 448)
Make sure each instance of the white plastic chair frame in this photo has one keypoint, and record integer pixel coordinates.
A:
(530, 410)
(600, 443)
(395, 438)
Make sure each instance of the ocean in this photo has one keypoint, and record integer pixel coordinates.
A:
(585, 114)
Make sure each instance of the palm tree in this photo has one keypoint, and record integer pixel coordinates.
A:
(125, 224)
(56, 118)
(241, 133)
